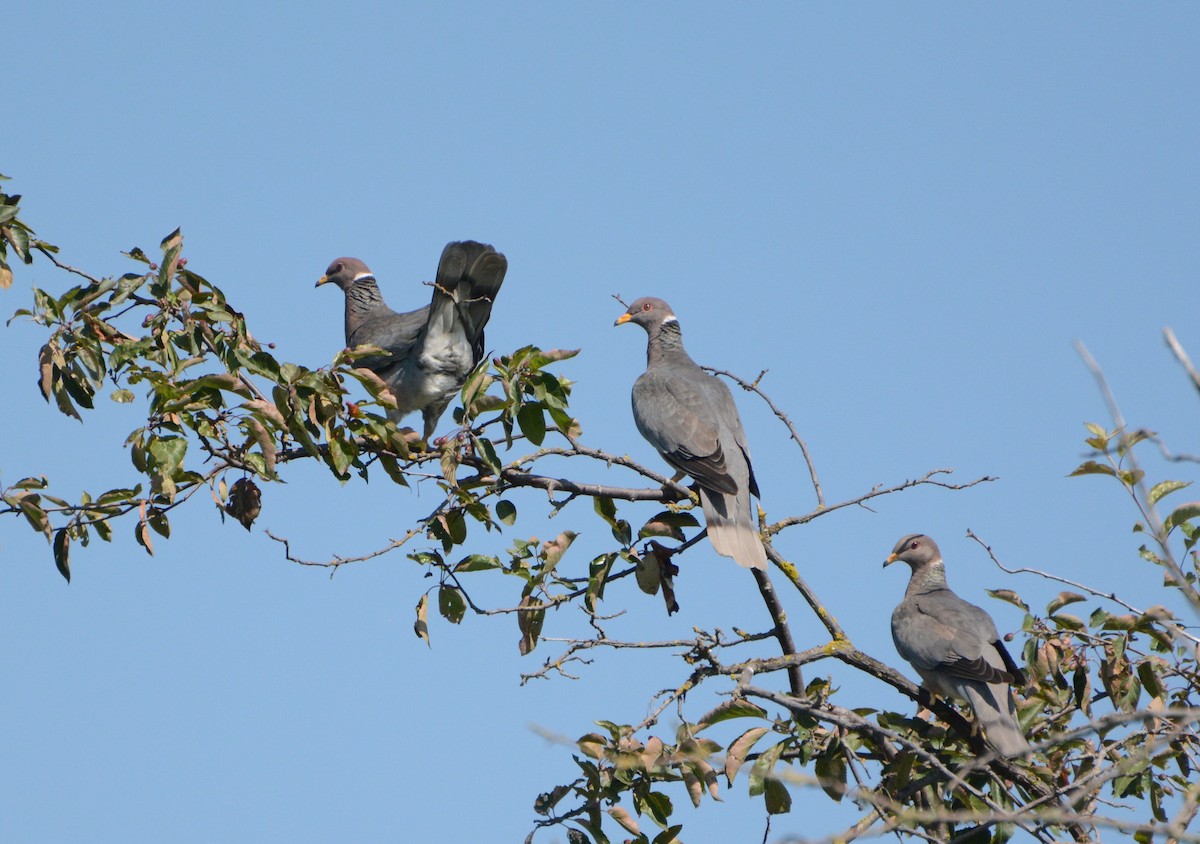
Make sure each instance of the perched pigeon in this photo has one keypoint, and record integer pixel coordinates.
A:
(690, 417)
(955, 646)
(427, 352)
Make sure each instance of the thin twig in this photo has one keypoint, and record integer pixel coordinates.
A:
(876, 492)
(66, 267)
(753, 387)
(1109, 596)
(1182, 356)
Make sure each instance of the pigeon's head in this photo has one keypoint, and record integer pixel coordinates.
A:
(916, 549)
(648, 312)
(344, 272)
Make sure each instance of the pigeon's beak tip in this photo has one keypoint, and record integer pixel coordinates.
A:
(622, 319)
(321, 280)
(891, 559)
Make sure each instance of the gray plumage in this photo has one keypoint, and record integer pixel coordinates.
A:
(955, 646)
(689, 416)
(427, 353)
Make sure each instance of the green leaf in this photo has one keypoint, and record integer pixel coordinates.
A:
(655, 804)
(1150, 679)
(168, 453)
(342, 451)
(476, 384)
(605, 508)
(1181, 514)
(1091, 467)
(20, 242)
(506, 511)
(729, 710)
(456, 524)
(141, 532)
(157, 520)
(540, 358)
(421, 625)
(31, 509)
(488, 452)
(476, 562)
(574, 836)
(1008, 596)
(451, 604)
(1071, 622)
(1062, 599)
(830, 769)
(546, 801)
(669, 524)
(626, 821)
(529, 620)
(122, 396)
(777, 798)
(739, 749)
(763, 766)
(598, 571)
(392, 467)
(532, 422)
(1165, 488)
(1131, 477)
(1081, 685)
(115, 495)
(40, 482)
(62, 553)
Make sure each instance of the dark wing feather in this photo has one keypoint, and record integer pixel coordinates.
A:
(393, 332)
(975, 669)
(1017, 676)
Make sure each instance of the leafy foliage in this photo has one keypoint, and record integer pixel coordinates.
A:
(1109, 706)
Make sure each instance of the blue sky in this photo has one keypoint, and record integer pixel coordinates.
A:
(907, 214)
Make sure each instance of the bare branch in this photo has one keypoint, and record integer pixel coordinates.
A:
(54, 260)
(782, 632)
(793, 575)
(339, 560)
(1110, 596)
(876, 492)
(1182, 356)
(753, 387)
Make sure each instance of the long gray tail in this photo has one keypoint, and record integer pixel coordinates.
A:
(731, 528)
(469, 278)
(996, 713)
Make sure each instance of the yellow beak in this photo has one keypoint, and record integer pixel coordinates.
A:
(622, 319)
(891, 559)
(321, 280)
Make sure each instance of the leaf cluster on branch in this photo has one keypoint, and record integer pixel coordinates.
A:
(1111, 706)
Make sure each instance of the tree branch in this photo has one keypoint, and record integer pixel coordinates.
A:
(753, 387)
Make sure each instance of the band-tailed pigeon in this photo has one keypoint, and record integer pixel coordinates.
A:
(690, 417)
(955, 646)
(427, 352)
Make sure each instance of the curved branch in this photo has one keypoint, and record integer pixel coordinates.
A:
(876, 492)
(1109, 596)
(753, 388)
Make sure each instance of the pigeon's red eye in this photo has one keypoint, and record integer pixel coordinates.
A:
(646, 306)
(915, 544)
